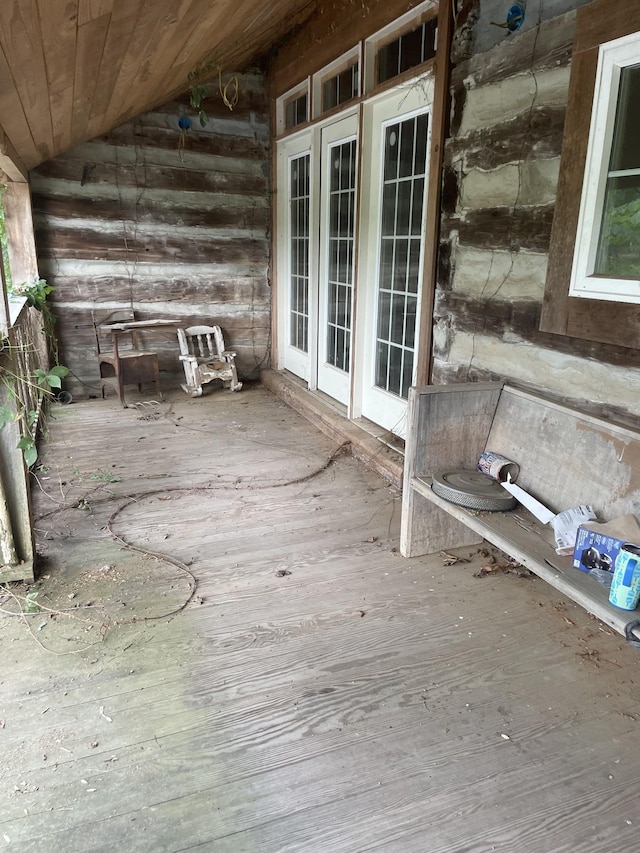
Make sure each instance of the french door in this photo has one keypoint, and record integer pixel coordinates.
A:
(316, 220)
(298, 249)
(392, 246)
(337, 256)
(355, 337)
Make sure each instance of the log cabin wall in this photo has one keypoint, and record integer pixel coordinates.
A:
(171, 224)
(502, 156)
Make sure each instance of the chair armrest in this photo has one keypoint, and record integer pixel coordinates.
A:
(228, 353)
(190, 358)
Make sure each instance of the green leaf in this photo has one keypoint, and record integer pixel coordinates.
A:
(54, 381)
(59, 370)
(203, 117)
(28, 446)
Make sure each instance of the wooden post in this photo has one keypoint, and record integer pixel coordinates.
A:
(7, 544)
(432, 225)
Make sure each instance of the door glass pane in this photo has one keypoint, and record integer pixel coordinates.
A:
(404, 174)
(342, 183)
(618, 254)
(299, 252)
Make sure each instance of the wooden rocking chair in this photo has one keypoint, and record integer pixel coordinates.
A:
(204, 358)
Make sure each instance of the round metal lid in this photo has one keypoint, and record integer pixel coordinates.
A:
(473, 490)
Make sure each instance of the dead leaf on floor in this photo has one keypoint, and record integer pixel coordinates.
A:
(282, 573)
(591, 655)
(507, 568)
(452, 559)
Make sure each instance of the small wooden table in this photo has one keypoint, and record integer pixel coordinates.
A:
(133, 366)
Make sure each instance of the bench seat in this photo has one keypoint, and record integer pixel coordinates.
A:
(566, 458)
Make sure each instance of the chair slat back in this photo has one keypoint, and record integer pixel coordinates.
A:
(202, 341)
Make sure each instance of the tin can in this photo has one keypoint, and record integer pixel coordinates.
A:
(498, 467)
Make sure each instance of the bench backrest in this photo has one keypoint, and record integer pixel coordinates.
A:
(567, 457)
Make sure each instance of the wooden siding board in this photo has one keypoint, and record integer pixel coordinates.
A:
(218, 290)
(536, 134)
(89, 10)
(230, 217)
(58, 27)
(151, 12)
(22, 45)
(123, 21)
(501, 228)
(91, 43)
(15, 126)
(492, 317)
(103, 245)
(154, 177)
(195, 140)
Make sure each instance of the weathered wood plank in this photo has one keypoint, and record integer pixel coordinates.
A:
(492, 316)
(124, 245)
(156, 178)
(15, 127)
(89, 10)
(23, 48)
(220, 290)
(58, 30)
(89, 50)
(151, 13)
(501, 228)
(537, 134)
(307, 724)
(121, 26)
(92, 212)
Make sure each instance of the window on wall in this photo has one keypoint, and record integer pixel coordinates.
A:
(293, 108)
(340, 88)
(296, 111)
(592, 289)
(406, 51)
(405, 44)
(607, 255)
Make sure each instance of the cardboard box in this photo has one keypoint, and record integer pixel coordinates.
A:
(597, 545)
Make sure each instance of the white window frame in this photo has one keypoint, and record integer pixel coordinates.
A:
(612, 58)
(387, 34)
(351, 57)
(303, 88)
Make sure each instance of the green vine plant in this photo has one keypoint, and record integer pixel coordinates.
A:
(36, 385)
(199, 90)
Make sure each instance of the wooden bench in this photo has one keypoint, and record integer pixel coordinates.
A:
(566, 458)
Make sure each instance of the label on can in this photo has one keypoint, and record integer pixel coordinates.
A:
(498, 467)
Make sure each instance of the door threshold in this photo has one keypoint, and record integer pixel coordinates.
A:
(377, 448)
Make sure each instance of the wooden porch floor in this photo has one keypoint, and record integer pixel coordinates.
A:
(317, 692)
